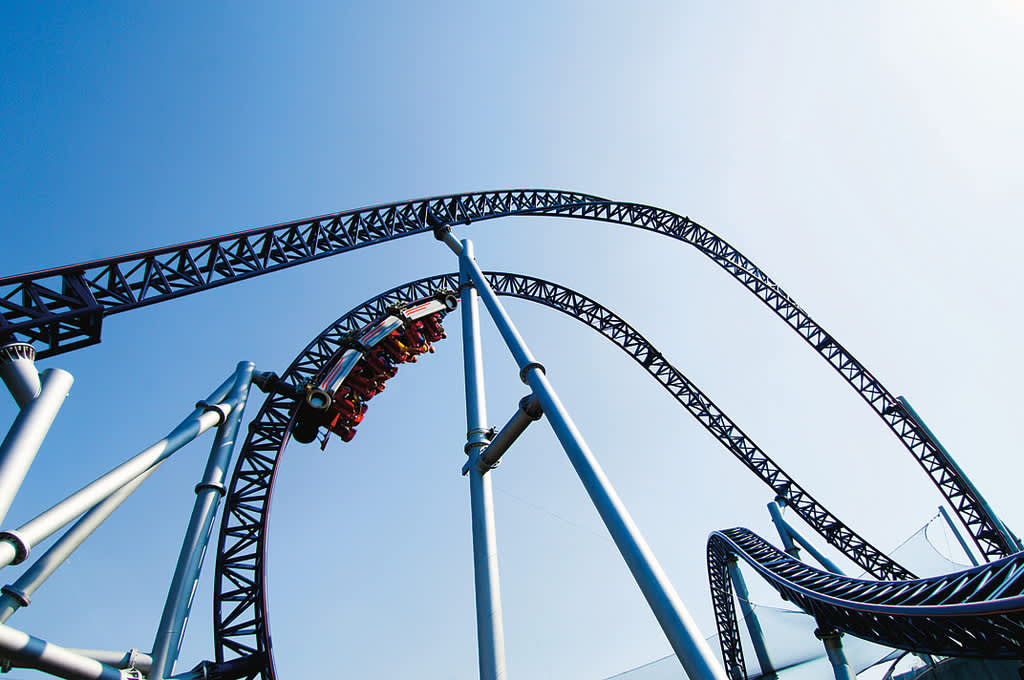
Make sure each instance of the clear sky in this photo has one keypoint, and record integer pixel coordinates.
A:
(866, 156)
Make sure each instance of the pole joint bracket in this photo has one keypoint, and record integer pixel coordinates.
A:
(529, 367)
(21, 547)
(223, 410)
(217, 486)
(20, 596)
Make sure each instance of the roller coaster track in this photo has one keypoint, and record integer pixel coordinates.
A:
(240, 607)
(62, 308)
(974, 613)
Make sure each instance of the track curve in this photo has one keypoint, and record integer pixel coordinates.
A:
(62, 308)
(240, 610)
(978, 612)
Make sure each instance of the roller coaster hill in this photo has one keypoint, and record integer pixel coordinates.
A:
(962, 624)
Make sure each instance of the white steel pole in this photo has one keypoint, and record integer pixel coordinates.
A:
(15, 545)
(209, 491)
(686, 639)
(27, 433)
(32, 652)
(490, 632)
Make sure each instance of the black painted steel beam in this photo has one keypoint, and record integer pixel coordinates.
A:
(62, 309)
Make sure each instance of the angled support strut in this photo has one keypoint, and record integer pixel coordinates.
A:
(680, 629)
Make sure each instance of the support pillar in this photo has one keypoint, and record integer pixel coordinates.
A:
(750, 618)
(832, 640)
(689, 644)
(193, 548)
(19, 448)
(490, 632)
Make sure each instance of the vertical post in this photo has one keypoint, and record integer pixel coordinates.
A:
(489, 630)
(193, 547)
(27, 432)
(686, 639)
(959, 537)
(834, 650)
(750, 617)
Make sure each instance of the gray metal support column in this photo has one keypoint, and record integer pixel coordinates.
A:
(193, 548)
(15, 545)
(32, 652)
(836, 656)
(686, 639)
(27, 432)
(753, 624)
(489, 629)
(19, 594)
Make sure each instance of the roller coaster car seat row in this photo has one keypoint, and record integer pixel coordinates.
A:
(338, 401)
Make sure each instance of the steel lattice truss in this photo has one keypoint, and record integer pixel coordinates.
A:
(975, 613)
(62, 308)
(240, 609)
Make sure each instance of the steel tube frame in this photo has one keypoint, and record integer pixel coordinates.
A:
(209, 491)
(529, 411)
(27, 433)
(15, 545)
(489, 626)
(686, 639)
(786, 528)
(19, 593)
(133, 658)
(753, 623)
(32, 652)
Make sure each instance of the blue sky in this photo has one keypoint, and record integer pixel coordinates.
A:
(867, 157)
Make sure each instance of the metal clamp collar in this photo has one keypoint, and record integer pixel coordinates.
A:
(23, 599)
(529, 367)
(223, 410)
(530, 405)
(211, 485)
(21, 546)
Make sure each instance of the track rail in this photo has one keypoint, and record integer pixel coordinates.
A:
(978, 612)
(241, 626)
(62, 308)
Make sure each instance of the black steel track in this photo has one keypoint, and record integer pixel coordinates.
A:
(978, 612)
(62, 309)
(240, 615)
